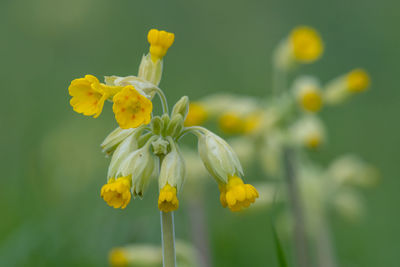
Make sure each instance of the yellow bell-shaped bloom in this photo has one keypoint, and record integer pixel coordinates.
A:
(237, 195)
(306, 44)
(117, 193)
(159, 41)
(88, 96)
(131, 109)
(167, 200)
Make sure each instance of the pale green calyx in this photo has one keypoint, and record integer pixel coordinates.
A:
(218, 156)
(172, 168)
(114, 139)
(122, 151)
(140, 165)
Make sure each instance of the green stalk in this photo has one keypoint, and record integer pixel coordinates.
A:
(168, 239)
(300, 239)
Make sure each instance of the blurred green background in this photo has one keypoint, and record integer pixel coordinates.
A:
(52, 166)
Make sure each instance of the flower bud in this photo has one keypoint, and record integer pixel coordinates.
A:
(175, 126)
(181, 107)
(157, 125)
(218, 157)
(114, 139)
(140, 165)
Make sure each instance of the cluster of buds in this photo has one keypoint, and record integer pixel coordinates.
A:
(146, 146)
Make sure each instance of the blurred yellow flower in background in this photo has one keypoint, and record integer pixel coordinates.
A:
(306, 44)
(357, 80)
(197, 114)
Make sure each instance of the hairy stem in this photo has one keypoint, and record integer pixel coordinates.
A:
(300, 240)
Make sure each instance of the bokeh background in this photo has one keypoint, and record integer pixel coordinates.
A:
(52, 167)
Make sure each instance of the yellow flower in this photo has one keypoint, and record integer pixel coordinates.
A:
(159, 41)
(314, 141)
(117, 258)
(88, 96)
(357, 80)
(237, 195)
(131, 109)
(167, 200)
(306, 44)
(231, 123)
(117, 193)
(252, 123)
(197, 115)
(311, 100)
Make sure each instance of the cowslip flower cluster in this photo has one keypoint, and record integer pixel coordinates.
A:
(146, 146)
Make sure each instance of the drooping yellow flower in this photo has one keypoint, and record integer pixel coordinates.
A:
(311, 100)
(306, 44)
(117, 258)
(167, 200)
(117, 193)
(131, 109)
(197, 115)
(237, 195)
(357, 80)
(159, 41)
(231, 123)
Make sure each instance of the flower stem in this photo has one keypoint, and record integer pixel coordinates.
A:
(163, 98)
(300, 240)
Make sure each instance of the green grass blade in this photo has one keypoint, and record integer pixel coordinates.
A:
(280, 253)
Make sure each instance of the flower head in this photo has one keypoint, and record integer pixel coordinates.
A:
(117, 192)
(197, 114)
(306, 44)
(237, 195)
(159, 41)
(88, 95)
(357, 80)
(131, 109)
(167, 200)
